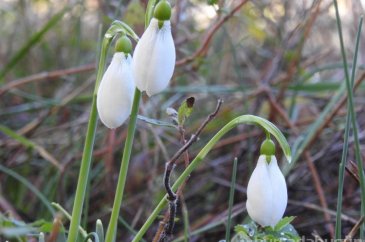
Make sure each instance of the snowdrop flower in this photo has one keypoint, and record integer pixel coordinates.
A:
(154, 56)
(115, 94)
(266, 191)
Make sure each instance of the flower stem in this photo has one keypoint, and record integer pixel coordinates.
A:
(111, 232)
(244, 119)
(87, 153)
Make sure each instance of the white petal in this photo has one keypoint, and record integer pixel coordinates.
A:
(266, 193)
(278, 186)
(259, 194)
(115, 93)
(154, 58)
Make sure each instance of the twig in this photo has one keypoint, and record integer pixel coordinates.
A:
(172, 197)
(294, 64)
(203, 49)
(320, 192)
(354, 230)
(195, 136)
(46, 75)
(353, 170)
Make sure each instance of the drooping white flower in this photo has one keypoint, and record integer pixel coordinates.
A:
(154, 58)
(116, 90)
(267, 195)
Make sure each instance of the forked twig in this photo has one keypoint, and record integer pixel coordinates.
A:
(171, 196)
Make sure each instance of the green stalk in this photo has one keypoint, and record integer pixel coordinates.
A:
(353, 121)
(111, 232)
(244, 119)
(112, 227)
(345, 144)
(88, 149)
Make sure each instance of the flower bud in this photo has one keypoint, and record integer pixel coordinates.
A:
(266, 193)
(162, 11)
(115, 94)
(154, 58)
(124, 45)
(267, 147)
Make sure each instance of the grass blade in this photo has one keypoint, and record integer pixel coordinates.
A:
(30, 144)
(30, 186)
(34, 39)
(353, 119)
(346, 141)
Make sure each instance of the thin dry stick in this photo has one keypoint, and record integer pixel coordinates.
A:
(331, 115)
(195, 136)
(353, 170)
(203, 49)
(162, 224)
(169, 220)
(34, 124)
(320, 192)
(354, 230)
(46, 75)
(315, 207)
(295, 62)
(57, 223)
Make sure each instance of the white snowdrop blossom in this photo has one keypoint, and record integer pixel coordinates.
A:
(116, 90)
(154, 58)
(267, 195)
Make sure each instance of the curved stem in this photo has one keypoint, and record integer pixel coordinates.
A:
(244, 119)
(87, 153)
(111, 232)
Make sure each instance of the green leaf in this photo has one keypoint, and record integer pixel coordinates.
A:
(315, 87)
(289, 230)
(271, 238)
(247, 231)
(185, 110)
(283, 222)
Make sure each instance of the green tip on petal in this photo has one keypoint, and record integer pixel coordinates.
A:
(162, 11)
(267, 148)
(124, 45)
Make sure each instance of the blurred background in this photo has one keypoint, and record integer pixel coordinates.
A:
(278, 59)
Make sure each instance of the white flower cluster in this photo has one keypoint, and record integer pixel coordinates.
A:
(150, 70)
